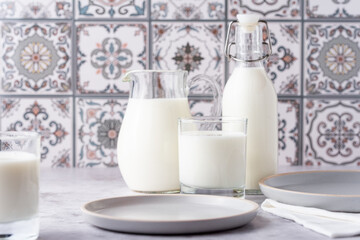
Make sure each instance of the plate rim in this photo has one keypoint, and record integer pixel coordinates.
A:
(263, 184)
(255, 208)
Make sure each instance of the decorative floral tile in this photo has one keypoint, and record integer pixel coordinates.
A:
(274, 9)
(98, 122)
(188, 9)
(284, 65)
(288, 119)
(332, 9)
(194, 47)
(35, 58)
(331, 59)
(331, 132)
(111, 8)
(26, 9)
(51, 117)
(105, 52)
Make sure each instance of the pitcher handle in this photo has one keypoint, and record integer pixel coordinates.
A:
(216, 111)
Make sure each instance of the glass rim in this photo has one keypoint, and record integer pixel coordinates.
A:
(212, 119)
(18, 134)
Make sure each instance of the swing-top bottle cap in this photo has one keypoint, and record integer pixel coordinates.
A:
(248, 21)
(248, 38)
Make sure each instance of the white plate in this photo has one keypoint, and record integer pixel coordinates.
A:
(330, 190)
(169, 214)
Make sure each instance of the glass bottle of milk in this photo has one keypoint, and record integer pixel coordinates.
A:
(250, 93)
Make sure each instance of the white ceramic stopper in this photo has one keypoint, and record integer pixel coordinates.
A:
(248, 19)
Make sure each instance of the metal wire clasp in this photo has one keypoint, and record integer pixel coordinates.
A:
(228, 45)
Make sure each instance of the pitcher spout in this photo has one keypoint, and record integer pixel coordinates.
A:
(129, 76)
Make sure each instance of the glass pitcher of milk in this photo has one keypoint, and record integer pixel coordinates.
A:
(148, 138)
(250, 93)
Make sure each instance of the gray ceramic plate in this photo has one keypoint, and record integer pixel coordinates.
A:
(330, 190)
(169, 214)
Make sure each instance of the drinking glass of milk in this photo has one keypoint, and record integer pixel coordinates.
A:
(19, 185)
(212, 155)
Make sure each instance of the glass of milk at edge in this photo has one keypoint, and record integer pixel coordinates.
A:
(19, 185)
(212, 155)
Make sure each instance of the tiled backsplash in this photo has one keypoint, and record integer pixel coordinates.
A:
(61, 62)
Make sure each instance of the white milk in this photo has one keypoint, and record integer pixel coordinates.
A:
(212, 159)
(19, 186)
(249, 93)
(148, 143)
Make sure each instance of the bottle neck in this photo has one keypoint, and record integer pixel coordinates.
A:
(248, 40)
(257, 64)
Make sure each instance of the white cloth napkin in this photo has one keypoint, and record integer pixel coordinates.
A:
(331, 224)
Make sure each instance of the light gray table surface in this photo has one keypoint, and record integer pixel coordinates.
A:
(63, 191)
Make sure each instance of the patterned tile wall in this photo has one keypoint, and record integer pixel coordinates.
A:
(61, 62)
